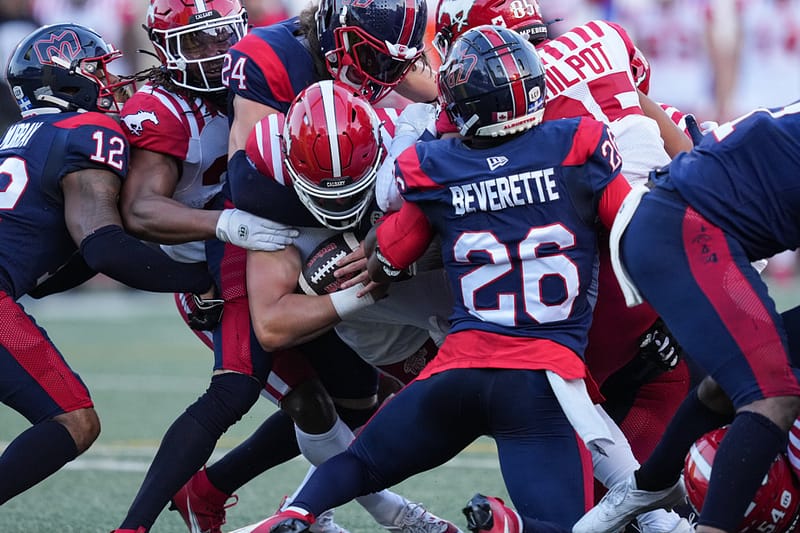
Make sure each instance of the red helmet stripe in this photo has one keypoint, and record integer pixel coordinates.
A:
(512, 72)
(409, 21)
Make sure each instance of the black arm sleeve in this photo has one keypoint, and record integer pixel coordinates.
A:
(75, 272)
(115, 253)
(263, 196)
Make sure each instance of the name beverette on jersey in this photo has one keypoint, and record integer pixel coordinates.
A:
(496, 194)
(19, 135)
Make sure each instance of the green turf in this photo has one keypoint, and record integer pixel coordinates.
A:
(144, 367)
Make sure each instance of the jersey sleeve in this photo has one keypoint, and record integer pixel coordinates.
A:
(94, 140)
(410, 174)
(149, 121)
(269, 66)
(404, 235)
(263, 148)
(626, 39)
(597, 162)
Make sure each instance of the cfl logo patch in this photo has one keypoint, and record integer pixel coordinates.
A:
(243, 232)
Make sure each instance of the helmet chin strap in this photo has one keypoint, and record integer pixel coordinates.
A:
(61, 105)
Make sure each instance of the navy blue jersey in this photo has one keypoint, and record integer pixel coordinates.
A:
(35, 154)
(744, 177)
(270, 65)
(518, 225)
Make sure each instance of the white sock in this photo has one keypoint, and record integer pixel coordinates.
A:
(615, 463)
(320, 447)
(384, 506)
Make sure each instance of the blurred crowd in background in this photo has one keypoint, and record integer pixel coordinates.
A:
(715, 58)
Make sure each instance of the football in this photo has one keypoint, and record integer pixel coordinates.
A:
(317, 274)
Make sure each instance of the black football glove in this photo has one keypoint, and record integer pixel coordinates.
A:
(659, 346)
(204, 314)
(694, 129)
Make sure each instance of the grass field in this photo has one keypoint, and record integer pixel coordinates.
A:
(143, 367)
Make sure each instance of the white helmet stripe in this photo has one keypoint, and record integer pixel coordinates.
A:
(200, 5)
(326, 88)
(275, 149)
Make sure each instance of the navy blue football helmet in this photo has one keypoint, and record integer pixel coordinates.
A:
(371, 44)
(492, 83)
(63, 67)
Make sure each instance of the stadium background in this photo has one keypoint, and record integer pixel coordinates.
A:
(716, 58)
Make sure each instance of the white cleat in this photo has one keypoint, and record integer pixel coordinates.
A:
(413, 518)
(325, 524)
(624, 502)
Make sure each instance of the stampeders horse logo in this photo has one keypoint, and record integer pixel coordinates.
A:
(136, 121)
(63, 44)
(457, 10)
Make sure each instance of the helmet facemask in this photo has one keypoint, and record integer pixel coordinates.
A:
(372, 66)
(193, 54)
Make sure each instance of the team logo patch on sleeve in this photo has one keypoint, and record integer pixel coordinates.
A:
(135, 122)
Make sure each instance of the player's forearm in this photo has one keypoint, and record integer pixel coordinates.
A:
(119, 255)
(292, 320)
(166, 221)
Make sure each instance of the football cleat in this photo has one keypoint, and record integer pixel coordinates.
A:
(325, 524)
(623, 502)
(414, 518)
(486, 513)
(289, 521)
(201, 505)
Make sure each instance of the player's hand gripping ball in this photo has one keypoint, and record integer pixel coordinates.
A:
(317, 276)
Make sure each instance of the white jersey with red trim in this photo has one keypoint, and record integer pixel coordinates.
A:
(588, 72)
(191, 131)
(395, 327)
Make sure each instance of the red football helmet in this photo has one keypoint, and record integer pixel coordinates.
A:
(775, 505)
(640, 68)
(454, 17)
(191, 38)
(332, 141)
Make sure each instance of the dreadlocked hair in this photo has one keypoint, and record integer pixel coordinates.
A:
(308, 29)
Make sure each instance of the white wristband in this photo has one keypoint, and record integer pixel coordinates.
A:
(346, 302)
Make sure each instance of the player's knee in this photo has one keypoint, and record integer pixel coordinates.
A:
(83, 426)
(225, 402)
(311, 407)
(781, 410)
(711, 394)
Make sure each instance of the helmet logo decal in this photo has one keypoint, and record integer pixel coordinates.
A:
(357, 3)
(457, 10)
(461, 72)
(65, 45)
(136, 121)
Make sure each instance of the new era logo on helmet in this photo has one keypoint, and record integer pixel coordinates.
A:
(496, 162)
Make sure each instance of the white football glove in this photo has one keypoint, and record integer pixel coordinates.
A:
(411, 124)
(254, 233)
